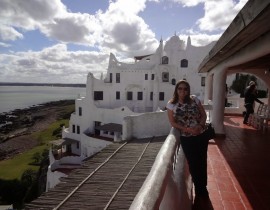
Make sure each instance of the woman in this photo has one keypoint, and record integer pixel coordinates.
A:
(187, 114)
(250, 98)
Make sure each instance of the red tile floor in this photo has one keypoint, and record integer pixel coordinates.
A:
(239, 168)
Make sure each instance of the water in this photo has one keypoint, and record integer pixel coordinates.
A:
(19, 97)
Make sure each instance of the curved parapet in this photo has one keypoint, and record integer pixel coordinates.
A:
(168, 185)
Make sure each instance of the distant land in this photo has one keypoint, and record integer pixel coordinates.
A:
(40, 84)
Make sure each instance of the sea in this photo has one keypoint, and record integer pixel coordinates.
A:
(20, 97)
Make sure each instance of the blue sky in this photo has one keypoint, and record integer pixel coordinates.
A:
(62, 41)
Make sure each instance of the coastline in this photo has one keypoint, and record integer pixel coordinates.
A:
(21, 97)
(15, 136)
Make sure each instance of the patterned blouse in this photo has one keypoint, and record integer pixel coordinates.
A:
(187, 115)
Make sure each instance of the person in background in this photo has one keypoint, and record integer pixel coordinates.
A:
(250, 97)
(187, 114)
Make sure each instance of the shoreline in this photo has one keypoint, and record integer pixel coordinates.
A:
(16, 137)
(16, 97)
(42, 84)
(18, 118)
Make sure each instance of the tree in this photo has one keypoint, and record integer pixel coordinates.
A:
(37, 158)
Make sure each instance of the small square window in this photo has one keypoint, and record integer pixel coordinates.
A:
(165, 77)
(146, 76)
(117, 77)
(117, 95)
(111, 77)
(73, 129)
(129, 95)
(98, 95)
(151, 96)
(140, 96)
(202, 81)
(161, 96)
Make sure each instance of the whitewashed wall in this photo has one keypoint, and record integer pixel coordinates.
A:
(154, 124)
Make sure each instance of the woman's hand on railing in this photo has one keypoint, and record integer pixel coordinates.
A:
(194, 130)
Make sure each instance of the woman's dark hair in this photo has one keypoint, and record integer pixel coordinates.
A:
(187, 99)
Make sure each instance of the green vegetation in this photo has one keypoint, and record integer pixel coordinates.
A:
(14, 168)
(23, 178)
(241, 82)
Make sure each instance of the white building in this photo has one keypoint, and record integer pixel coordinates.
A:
(144, 86)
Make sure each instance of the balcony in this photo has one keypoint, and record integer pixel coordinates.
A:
(238, 175)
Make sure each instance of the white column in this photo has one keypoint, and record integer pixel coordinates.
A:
(219, 89)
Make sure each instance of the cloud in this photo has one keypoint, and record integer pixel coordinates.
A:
(124, 31)
(2, 44)
(53, 64)
(216, 18)
(119, 30)
(189, 3)
(102, 29)
(9, 33)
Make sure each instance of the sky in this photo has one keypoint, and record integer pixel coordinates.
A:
(61, 41)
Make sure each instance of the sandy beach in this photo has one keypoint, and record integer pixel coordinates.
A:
(16, 138)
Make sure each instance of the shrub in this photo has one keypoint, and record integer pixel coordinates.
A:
(37, 158)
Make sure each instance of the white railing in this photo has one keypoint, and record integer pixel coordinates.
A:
(168, 185)
(236, 106)
(67, 162)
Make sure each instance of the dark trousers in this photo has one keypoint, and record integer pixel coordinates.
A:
(195, 150)
(249, 110)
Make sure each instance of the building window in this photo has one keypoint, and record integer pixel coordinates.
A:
(97, 123)
(78, 129)
(129, 95)
(111, 77)
(73, 128)
(117, 77)
(117, 95)
(161, 96)
(140, 96)
(151, 96)
(184, 63)
(202, 81)
(146, 76)
(78, 145)
(165, 60)
(98, 95)
(165, 76)
(173, 81)
(153, 76)
(80, 111)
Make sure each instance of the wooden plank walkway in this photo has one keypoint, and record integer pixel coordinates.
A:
(113, 185)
